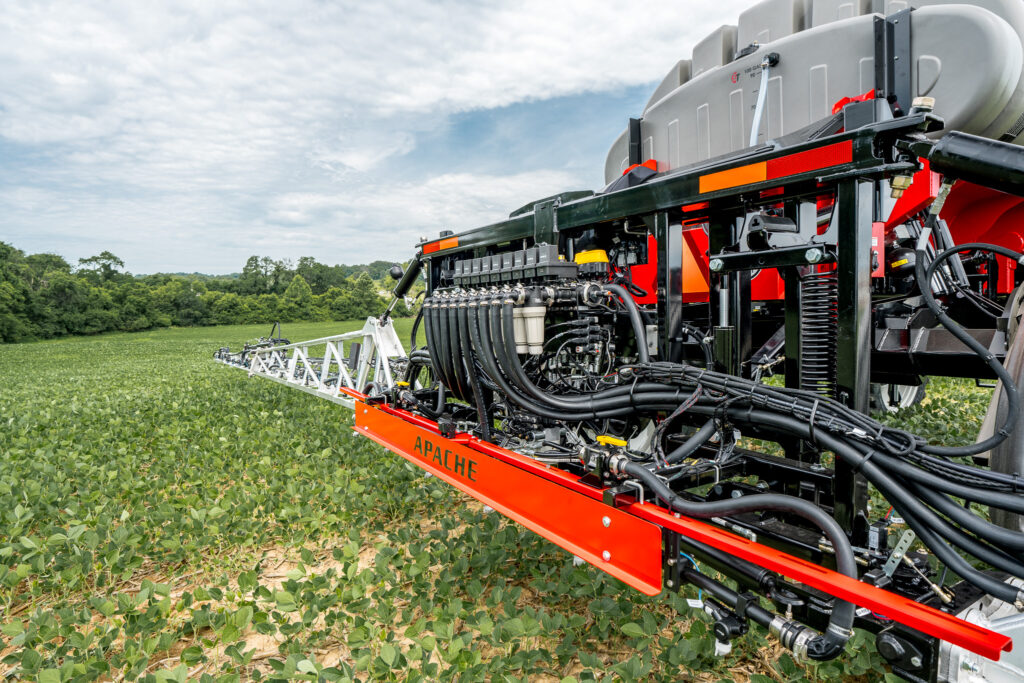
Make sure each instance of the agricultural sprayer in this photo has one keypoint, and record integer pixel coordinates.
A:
(828, 193)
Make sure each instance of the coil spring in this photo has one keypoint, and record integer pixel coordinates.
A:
(819, 330)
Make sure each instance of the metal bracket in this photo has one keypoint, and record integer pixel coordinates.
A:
(545, 222)
(906, 540)
(893, 61)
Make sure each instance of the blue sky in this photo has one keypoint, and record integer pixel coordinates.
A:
(188, 135)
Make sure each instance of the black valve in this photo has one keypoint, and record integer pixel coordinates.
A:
(728, 625)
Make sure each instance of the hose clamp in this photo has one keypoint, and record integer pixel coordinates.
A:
(801, 642)
(839, 631)
(616, 463)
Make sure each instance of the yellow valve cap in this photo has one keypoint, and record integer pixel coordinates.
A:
(401, 384)
(592, 256)
(607, 440)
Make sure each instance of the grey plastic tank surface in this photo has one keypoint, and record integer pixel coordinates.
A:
(966, 55)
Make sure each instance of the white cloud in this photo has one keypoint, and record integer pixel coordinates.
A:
(240, 117)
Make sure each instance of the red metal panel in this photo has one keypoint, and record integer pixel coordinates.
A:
(618, 543)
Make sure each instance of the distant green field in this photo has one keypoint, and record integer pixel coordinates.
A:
(163, 517)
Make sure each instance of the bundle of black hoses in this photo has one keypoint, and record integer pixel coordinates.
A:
(475, 333)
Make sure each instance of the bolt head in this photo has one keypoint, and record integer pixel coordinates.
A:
(813, 255)
(606, 556)
(606, 521)
(669, 583)
(716, 264)
(915, 661)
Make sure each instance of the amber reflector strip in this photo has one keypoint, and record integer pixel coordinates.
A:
(446, 243)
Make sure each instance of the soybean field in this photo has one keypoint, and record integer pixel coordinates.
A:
(165, 518)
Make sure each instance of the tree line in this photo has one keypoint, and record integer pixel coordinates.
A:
(43, 296)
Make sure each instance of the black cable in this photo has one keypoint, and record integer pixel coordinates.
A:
(924, 278)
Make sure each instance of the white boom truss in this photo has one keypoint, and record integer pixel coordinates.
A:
(324, 366)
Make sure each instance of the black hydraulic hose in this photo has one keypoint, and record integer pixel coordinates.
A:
(634, 318)
(479, 330)
(416, 361)
(1001, 536)
(959, 565)
(619, 397)
(826, 646)
(458, 366)
(429, 328)
(437, 346)
(698, 334)
(444, 341)
(696, 440)
(438, 410)
(455, 354)
(970, 544)
(723, 561)
(924, 279)
(485, 349)
(492, 353)
(474, 381)
(999, 499)
(415, 329)
(921, 519)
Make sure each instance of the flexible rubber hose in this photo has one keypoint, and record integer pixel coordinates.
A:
(439, 351)
(911, 509)
(458, 362)
(479, 329)
(696, 440)
(1001, 536)
(639, 331)
(831, 643)
(924, 279)
(415, 328)
(432, 347)
(444, 340)
(474, 381)
(494, 349)
(618, 397)
(959, 565)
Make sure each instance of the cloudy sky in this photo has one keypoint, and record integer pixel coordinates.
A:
(188, 135)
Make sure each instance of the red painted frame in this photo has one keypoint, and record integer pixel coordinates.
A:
(572, 514)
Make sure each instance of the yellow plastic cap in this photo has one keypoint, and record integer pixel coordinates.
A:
(607, 440)
(592, 256)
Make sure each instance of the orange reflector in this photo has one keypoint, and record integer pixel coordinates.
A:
(446, 243)
(734, 177)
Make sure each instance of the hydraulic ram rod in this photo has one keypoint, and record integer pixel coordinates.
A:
(622, 548)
